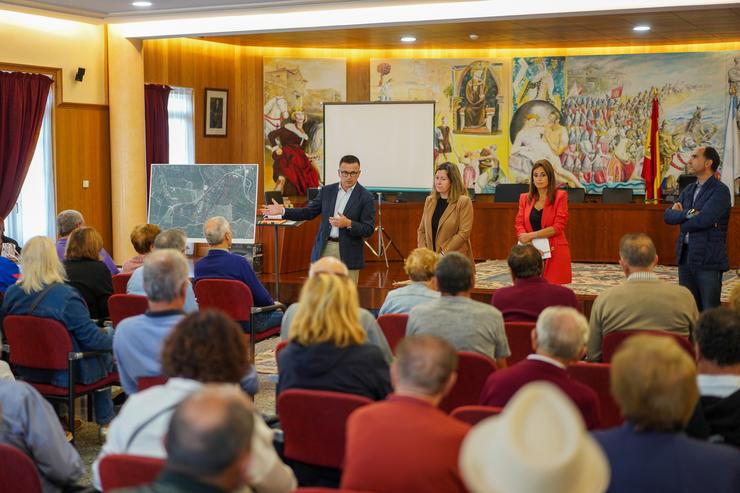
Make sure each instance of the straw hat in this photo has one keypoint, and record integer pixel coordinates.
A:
(538, 444)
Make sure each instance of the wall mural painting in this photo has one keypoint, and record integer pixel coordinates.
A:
(294, 92)
(589, 116)
(470, 110)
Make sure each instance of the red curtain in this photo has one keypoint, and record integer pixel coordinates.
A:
(22, 103)
(157, 127)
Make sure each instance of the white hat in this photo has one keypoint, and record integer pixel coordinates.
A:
(537, 444)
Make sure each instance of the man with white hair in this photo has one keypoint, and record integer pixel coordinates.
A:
(558, 340)
(220, 263)
(68, 221)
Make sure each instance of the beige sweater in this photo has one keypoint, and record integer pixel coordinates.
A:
(641, 305)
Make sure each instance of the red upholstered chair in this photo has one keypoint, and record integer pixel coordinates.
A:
(393, 326)
(472, 371)
(520, 340)
(474, 414)
(596, 376)
(146, 382)
(314, 422)
(44, 343)
(120, 281)
(325, 490)
(17, 471)
(235, 299)
(128, 471)
(281, 345)
(612, 341)
(122, 306)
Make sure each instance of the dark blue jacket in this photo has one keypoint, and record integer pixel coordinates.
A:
(360, 209)
(651, 462)
(63, 303)
(220, 264)
(707, 247)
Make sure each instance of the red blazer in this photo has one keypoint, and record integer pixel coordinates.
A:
(557, 267)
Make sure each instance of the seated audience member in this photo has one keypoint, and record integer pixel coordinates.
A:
(169, 238)
(9, 272)
(28, 423)
(717, 416)
(642, 302)
(208, 443)
(10, 242)
(537, 444)
(653, 381)
(222, 264)
(332, 265)
(408, 424)
(68, 221)
(327, 349)
(558, 340)
(735, 298)
(42, 292)
(142, 238)
(419, 266)
(86, 272)
(205, 347)
(531, 293)
(469, 325)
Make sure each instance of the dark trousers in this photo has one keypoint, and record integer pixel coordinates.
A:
(705, 285)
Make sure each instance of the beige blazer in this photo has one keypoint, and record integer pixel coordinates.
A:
(455, 226)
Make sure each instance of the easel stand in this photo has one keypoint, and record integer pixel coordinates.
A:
(382, 250)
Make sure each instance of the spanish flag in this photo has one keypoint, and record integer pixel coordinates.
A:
(651, 160)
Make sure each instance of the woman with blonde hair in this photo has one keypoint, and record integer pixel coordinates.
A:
(142, 238)
(419, 266)
(42, 292)
(86, 272)
(327, 348)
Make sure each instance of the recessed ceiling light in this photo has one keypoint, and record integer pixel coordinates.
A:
(408, 39)
(473, 36)
(641, 28)
(141, 4)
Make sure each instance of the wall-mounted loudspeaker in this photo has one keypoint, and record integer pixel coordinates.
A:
(80, 74)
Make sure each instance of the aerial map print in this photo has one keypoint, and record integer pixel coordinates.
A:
(184, 196)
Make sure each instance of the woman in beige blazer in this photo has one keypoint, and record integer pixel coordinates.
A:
(448, 214)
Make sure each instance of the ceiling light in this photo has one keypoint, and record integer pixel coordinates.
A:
(141, 4)
(641, 28)
(473, 36)
(408, 39)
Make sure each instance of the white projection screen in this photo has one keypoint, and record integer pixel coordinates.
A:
(393, 140)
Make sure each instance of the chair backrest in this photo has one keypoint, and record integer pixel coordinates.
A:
(519, 335)
(510, 192)
(36, 342)
(146, 382)
(17, 471)
(314, 422)
(612, 341)
(394, 328)
(128, 471)
(576, 195)
(475, 414)
(281, 345)
(617, 196)
(122, 306)
(326, 490)
(120, 282)
(473, 370)
(231, 297)
(596, 376)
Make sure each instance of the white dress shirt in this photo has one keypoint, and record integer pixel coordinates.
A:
(341, 202)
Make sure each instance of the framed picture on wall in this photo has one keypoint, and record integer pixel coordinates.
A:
(215, 114)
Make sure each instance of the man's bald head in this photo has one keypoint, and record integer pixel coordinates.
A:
(328, 265)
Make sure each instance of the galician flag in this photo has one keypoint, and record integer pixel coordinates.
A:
(651, 160)
(731, 156)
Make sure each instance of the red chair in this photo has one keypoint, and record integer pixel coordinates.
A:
(120, 281)
(235, 299)
(313, 423)
(393, 326)
(475, 414)
(44, 343)
(612, 341)
(596, 376)
(473, 370)
(519, 335)
(122, 306)
(128, 471)
(281, 345)
(146, 382)
(325, 490)
(17, 471)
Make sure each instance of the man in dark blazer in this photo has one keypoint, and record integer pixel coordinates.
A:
(703, 211)
(347, 212)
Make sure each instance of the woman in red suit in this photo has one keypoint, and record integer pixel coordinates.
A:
(543, 213)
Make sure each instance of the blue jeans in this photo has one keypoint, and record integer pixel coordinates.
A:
(264, 321)
(705, 285)
(103, 406)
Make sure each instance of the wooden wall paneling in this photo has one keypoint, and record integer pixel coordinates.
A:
(358, 78)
